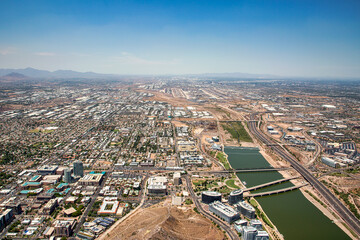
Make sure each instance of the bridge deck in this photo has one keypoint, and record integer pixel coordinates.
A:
(275, 191)
(245, 170)
(269, 184)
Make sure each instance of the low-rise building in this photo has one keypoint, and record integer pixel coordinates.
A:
(108, 206)
(91, 179)
(157, 185)
(47, 170)
(262, 235)
(256, 223)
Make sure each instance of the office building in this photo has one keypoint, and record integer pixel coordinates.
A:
(249, 233)
(78, 168)
(235, 196)
(177, 178)
(246, 209)
(210, 196)
(262, 235)
(47, 170)
(6, 216)
(108, 206)
(63, 228)
(67, 175)
(256, 224)
(50, 206)
(241, 222)
(91, 179)
(157, 185)
(225, 212)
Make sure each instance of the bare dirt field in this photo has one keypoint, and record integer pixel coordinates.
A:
(165, 223)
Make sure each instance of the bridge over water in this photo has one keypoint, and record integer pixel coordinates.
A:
(275, 191)
(268, 184)
(245, 170)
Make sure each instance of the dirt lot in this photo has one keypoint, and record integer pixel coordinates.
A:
(166, 223)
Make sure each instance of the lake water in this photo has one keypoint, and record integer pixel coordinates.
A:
(295, 217)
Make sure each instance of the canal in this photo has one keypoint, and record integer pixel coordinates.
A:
(295, 217)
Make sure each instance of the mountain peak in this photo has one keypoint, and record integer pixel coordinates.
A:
(15, 75)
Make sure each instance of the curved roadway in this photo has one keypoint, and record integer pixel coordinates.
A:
(335, 203)
(227, 229)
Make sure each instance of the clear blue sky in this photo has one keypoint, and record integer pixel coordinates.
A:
(290, 38)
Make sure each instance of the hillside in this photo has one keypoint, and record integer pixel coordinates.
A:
(166, 223)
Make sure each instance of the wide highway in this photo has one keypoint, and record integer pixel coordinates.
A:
(335, 203)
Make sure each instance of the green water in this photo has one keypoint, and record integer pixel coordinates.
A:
(294, 216)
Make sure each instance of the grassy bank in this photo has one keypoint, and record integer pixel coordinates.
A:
(222, 158)
(237, 131)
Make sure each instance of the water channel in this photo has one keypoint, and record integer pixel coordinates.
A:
(295, 217)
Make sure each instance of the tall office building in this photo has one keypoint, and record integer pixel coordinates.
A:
(78, 168)
(67, 175)
(235, 196)
(249, 233)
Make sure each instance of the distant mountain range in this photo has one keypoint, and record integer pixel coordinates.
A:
(36, 73)
(32, 73)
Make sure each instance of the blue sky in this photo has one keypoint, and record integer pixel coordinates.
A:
(288, 38)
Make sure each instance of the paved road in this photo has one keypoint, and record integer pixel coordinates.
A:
(224, 226)
(335, 203)
(89, 206)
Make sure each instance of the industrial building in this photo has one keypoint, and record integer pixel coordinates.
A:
(210, 196)
(225, 212)
(235, 196)
(328, 161)
(246, 209)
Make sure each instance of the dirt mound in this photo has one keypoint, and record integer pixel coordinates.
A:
(166, 223)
